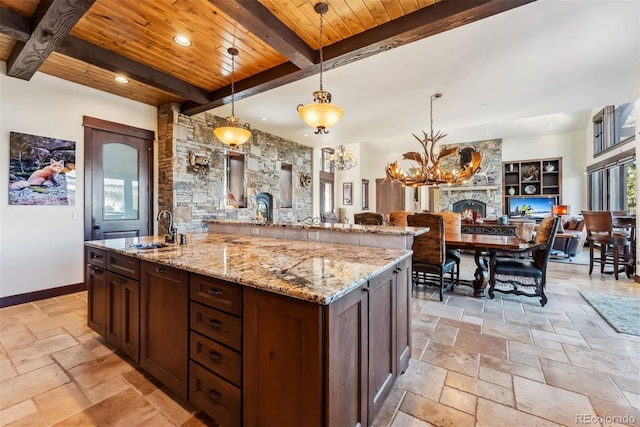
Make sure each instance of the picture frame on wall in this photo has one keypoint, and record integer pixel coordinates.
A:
(346, 193)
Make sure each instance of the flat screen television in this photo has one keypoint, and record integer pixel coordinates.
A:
(531, 206)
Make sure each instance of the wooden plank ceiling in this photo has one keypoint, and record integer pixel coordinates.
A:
(91, 41)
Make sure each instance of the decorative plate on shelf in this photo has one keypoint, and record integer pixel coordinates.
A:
(530, 189)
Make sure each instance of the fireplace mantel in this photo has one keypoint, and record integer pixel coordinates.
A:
(487, 188)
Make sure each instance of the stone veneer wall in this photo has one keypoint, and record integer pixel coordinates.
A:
(197, 196)
(492, 169)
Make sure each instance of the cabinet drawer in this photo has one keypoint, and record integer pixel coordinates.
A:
(217, 358)
(217, 325)
(123, 264)
(96, 257)
(217, 293)
(219, 399)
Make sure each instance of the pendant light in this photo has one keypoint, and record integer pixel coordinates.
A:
(233, 134)
(322, 114)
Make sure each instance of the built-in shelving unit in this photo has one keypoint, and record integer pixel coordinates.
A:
(531, 178)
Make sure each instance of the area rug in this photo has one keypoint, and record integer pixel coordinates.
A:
(622, 313)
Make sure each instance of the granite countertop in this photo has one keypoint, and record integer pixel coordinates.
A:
(349, 228)
(312, 271)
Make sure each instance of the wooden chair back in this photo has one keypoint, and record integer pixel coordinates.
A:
(399, 218)
(452, 221)
(428, 247)
(368, 218)
(598, 223)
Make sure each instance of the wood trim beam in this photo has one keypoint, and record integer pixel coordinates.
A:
(103, 58)
(53, 20)
(260, 21)
(442, 16)
(14, 25)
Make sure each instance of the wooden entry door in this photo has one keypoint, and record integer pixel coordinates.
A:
(118, 180)
(389, 196)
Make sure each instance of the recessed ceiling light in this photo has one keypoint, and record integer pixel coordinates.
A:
(121, 79)
(549, 125)
(263, 118)
(487, 133)
(306, 134)
(182, 40)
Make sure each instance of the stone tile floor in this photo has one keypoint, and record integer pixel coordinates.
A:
(500, 362)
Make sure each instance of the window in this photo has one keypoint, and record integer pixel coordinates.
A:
(612, 183)
(327, 164)
(365, 194)
(234, 179)
(613, 125)
(286, 185)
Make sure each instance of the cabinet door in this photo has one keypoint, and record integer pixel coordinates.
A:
(123, 314)
(382, 339)
(96, 283)
(403, 286)
(348, 359)
(164, 325)
(282, 361)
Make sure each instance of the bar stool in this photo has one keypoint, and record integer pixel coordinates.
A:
(601, 235)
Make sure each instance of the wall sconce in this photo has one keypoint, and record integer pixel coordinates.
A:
(305, 179)
(198, 164)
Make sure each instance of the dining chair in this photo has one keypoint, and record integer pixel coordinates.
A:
(368, 218)
(525, 276)
(452, 224)
(430, 262)
(399, 218)
(602, 236)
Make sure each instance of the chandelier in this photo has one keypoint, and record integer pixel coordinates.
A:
(343, 159)
(429, 171)
(322, 114)
(233, 134)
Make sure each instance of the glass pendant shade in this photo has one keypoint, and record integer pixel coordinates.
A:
(320, 115)
(232, 134)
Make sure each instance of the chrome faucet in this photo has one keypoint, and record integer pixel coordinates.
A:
(170, 228)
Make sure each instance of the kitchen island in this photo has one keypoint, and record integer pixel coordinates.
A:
(256, 331)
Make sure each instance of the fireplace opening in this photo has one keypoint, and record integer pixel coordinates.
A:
(468, 206)
(264, 207)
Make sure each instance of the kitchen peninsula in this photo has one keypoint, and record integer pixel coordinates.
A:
(254, 330)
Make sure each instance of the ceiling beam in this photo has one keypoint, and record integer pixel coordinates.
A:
(258, 20)
(103, 58)
(437, 18)
(18, 27)
(52, 22)
(14, 25)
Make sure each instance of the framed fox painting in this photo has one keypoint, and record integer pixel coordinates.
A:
(41, 170)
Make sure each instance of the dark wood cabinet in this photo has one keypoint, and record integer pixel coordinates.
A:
(334, 365)
(123, 314)
(164, 325)
(96, 284)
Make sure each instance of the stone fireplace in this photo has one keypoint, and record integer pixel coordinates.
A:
(483, 193)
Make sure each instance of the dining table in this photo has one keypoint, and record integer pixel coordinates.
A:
(484, 247)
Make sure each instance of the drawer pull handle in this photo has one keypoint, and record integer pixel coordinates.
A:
(121, 281)
(160, 270)
(215, 323)
(96, 270)
(95, 256)
(214, 395)
(212, 291)
(365, 290)
(215, 356)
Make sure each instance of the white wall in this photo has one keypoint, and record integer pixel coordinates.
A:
(41, 247)
(570, 146)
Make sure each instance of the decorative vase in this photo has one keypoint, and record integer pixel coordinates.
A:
(549, 167)
(512, 191)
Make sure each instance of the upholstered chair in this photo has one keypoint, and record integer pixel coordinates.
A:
(399, 218)
(368, 218)
(525, 276)
(452, 224)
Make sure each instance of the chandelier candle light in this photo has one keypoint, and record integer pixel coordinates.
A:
(429, 171)
(343, 159)
(322, 114)
(233, 133)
